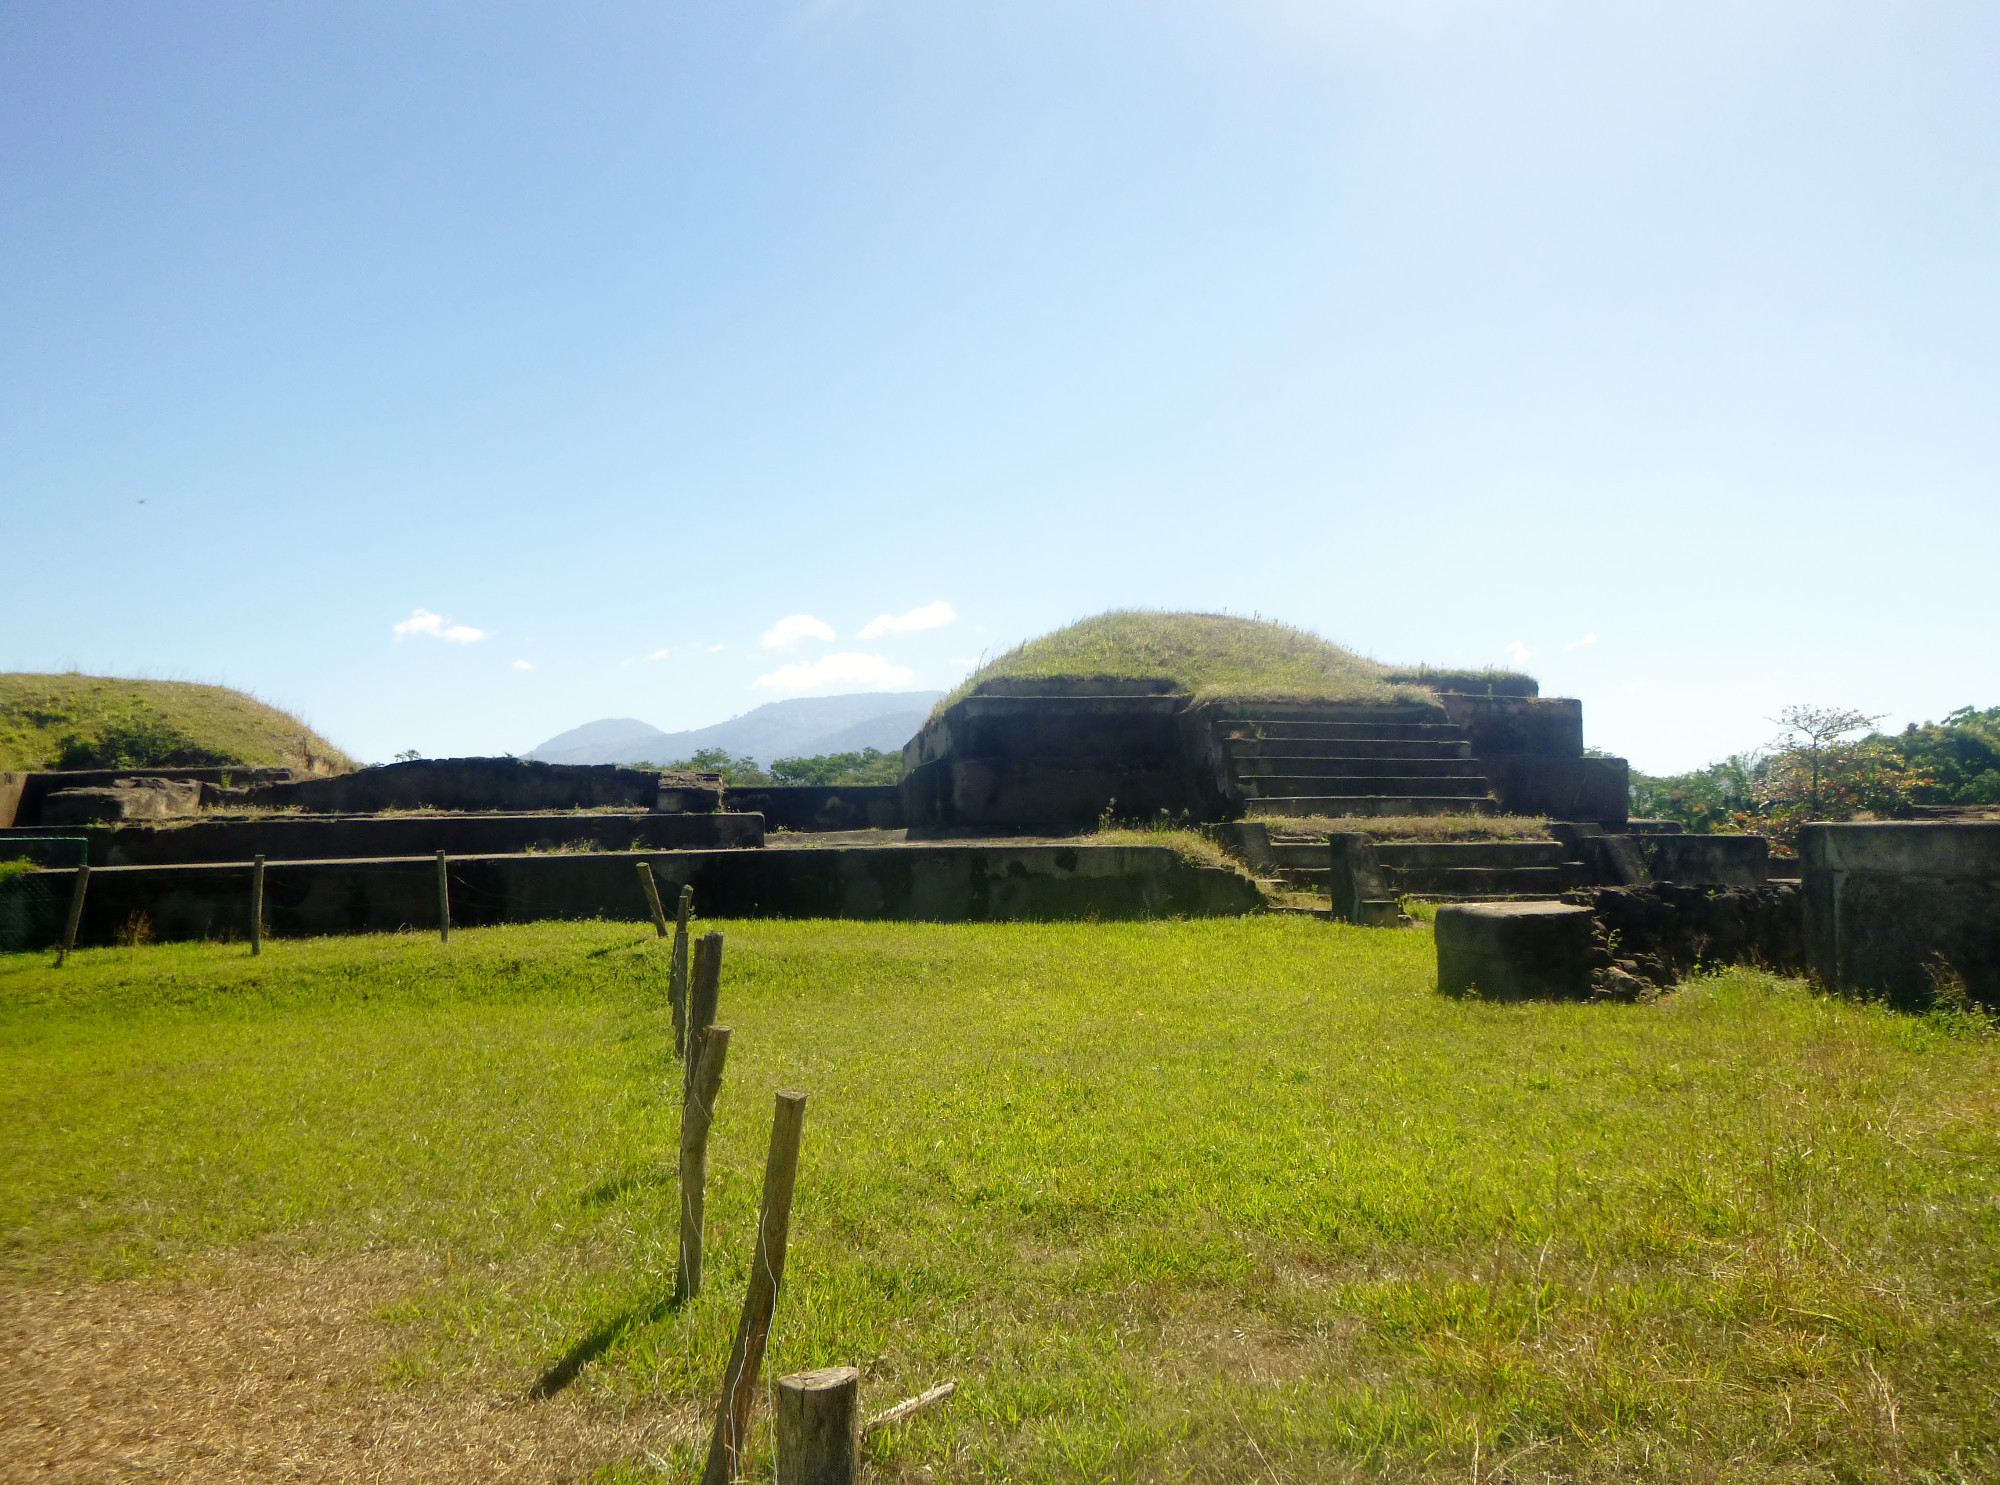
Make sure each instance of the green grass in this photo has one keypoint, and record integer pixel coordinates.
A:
(87, 721)
(1210, 655)
(1224, 1200)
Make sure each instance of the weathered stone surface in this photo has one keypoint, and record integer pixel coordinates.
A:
(1515, 950)
(1249, 841)
(820, 807)
(1355, 886)
(512, 784)
(1670, 929)
(422, 833)
(1560, 788)
(37, 786)
(11, 787)
(688, 792)
(1891, 908)
(1506, 726)
(123, 799)
(934, 883)
(1727, 860)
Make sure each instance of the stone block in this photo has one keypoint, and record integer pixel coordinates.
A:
(1894, 908)
(821, 807)
(124, 799)
(1356, 887)
(1726, 860)
(469, 784)
(1249, 841)
(1538, 726)
(1559, 788)
(11, 787)
(1515, 950)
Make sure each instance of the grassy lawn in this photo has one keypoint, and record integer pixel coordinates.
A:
(1225, 1200)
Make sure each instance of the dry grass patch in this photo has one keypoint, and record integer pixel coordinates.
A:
(254, 1369)
(1439, 828)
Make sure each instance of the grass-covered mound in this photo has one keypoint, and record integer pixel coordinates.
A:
(1223, 1200)
(1205, 654)
(90, 721)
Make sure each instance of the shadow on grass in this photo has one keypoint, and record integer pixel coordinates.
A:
(624, 1183)
(595, 1345)
(623, 946)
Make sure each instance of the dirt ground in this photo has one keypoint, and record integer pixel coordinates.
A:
(272, 1370)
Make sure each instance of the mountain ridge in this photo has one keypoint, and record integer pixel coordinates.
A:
(802, 727)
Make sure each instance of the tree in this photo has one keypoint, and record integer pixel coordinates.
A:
(1815, 773)
(869, 766)
(1960, 756)
(1813, 730)
(740, 771)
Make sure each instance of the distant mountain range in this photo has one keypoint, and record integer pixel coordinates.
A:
(803, 728)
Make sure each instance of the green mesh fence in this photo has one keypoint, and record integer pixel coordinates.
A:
(33, 902)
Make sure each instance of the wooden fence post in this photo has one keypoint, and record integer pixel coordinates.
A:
(704, 995)
(697, 1116)
(819, 1427)
(444, 903)
(256, 904)
(652, 890)
(760, 1301)
(75, 919)
(677, 978)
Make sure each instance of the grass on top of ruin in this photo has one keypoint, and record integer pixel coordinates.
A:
(1216, 1200)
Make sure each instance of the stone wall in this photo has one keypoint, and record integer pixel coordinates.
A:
(1039, 754)
(27, 790)
(1559, 788)
(1047, 762)
(1891, 907)
(320, 838)
(511, 784)
(1670, 929)
(819, 807)
(933, 883)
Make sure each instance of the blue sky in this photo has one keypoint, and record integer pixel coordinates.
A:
(1656, 343)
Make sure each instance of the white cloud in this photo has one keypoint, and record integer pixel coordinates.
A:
(523, 665)
(1519, 653)
(423, 621)
(968, 661)
(717, 649)
(1577, 644)
(845, 668)
(930, 616)
(786, 633)
(658, 655)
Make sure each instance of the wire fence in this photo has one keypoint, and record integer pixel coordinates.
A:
(32, 901)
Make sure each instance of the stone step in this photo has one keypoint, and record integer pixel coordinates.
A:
(1368, 804)
(1346, 747)
(1475, 881)
(1429, 855)
(1287, 786)
(1237, 713)
(1293, 766)
(1460, 882)
(1417, 855)
(1341, 731)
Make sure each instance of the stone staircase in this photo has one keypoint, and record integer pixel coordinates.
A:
(1383, 760)
(1459, 871)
